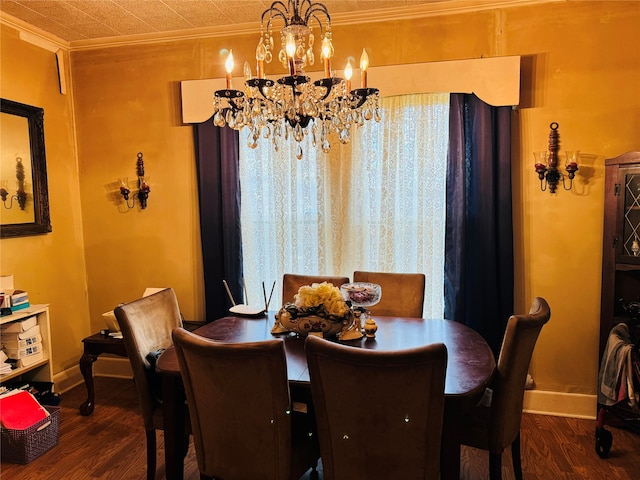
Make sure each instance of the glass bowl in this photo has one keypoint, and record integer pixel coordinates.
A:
(361, 294)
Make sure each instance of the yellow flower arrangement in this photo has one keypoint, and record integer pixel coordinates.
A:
(320, 298)
(319, 307)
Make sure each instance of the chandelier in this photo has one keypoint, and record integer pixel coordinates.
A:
(295, 105)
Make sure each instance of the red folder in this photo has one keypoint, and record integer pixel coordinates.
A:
(20, 410)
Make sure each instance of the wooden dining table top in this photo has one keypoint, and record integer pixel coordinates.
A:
(470, 364)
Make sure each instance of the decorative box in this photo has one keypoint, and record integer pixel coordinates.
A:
(24, 446)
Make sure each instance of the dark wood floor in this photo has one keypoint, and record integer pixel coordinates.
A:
(110, 444)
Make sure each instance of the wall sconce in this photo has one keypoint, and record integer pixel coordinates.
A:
(547, 163)
(21, 195)
(143, 186)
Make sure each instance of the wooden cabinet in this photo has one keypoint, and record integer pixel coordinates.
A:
(42, 370)
(621, 242)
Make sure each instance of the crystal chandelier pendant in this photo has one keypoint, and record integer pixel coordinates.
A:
(294, 104)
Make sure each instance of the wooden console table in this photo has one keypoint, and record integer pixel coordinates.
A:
(94, 346)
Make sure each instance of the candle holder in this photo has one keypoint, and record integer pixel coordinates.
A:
(546, 164)
(20, 195)
(142, 193)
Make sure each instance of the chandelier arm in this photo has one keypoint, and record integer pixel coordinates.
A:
(361, 95)
(278, 13)
(328, 84)
(262, 84)
(308, 19)
(234, 105)
(313, 11)
(317, 7)
(570, 183)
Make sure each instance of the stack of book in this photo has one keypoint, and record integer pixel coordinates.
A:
(5, 367)
(22, 341)
(19, 300)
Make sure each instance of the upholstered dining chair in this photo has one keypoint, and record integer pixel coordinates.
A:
(241, 416)
(146, 326)
(291, 282)
(494, 424)
(402, 293)
(379, 414)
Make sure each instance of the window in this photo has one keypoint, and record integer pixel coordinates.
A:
(375, 204)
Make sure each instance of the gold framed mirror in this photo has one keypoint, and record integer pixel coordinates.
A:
(24, 197)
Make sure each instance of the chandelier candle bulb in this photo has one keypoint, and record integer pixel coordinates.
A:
(291, 51)
(247, 76)
(348, 72)
(228, 65)
(261, 53)
(247, 71)
(364, 63)
(326, 54)
(260, 68)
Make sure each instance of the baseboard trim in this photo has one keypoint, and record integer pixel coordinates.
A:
(105, 366)
(560, 404)
(67, 379)
(112, 367)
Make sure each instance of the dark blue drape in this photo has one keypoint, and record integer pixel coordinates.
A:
(479, 230)
(479, 233)
(217, 156)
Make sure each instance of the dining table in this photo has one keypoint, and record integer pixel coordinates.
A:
(470, 368)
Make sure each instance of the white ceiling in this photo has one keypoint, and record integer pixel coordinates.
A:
(85, 21)
(73, 20)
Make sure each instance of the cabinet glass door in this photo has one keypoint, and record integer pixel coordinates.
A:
(630, 192)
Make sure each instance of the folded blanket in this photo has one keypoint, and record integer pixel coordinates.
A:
(614, 367)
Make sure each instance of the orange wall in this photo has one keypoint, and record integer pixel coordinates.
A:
(50, 267)
(580, 68)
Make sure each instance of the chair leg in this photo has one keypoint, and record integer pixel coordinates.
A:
(151, 454)
(495, 466)
(515, 456)
(185, 444)
(314, 474)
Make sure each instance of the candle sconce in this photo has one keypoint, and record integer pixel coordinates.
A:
(21, 194)
(547, 164)
(143, 187)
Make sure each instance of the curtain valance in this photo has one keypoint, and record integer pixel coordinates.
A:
(495, 80)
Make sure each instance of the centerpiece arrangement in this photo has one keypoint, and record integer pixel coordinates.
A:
(318, 308)
(360, 296)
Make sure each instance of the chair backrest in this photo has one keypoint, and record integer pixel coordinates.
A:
(379, 413)
(402, 293)
(511, 373)
(239, 406)
(291, 282)
(146, 326)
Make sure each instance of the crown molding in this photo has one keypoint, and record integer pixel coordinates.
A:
(34, 35)
(46, 40)
(446, 7)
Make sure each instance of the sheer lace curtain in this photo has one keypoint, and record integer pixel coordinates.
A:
(375, 204)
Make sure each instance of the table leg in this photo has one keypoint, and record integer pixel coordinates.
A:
(174, 410)
(454, 413)
(450, 458)
(86, 368)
